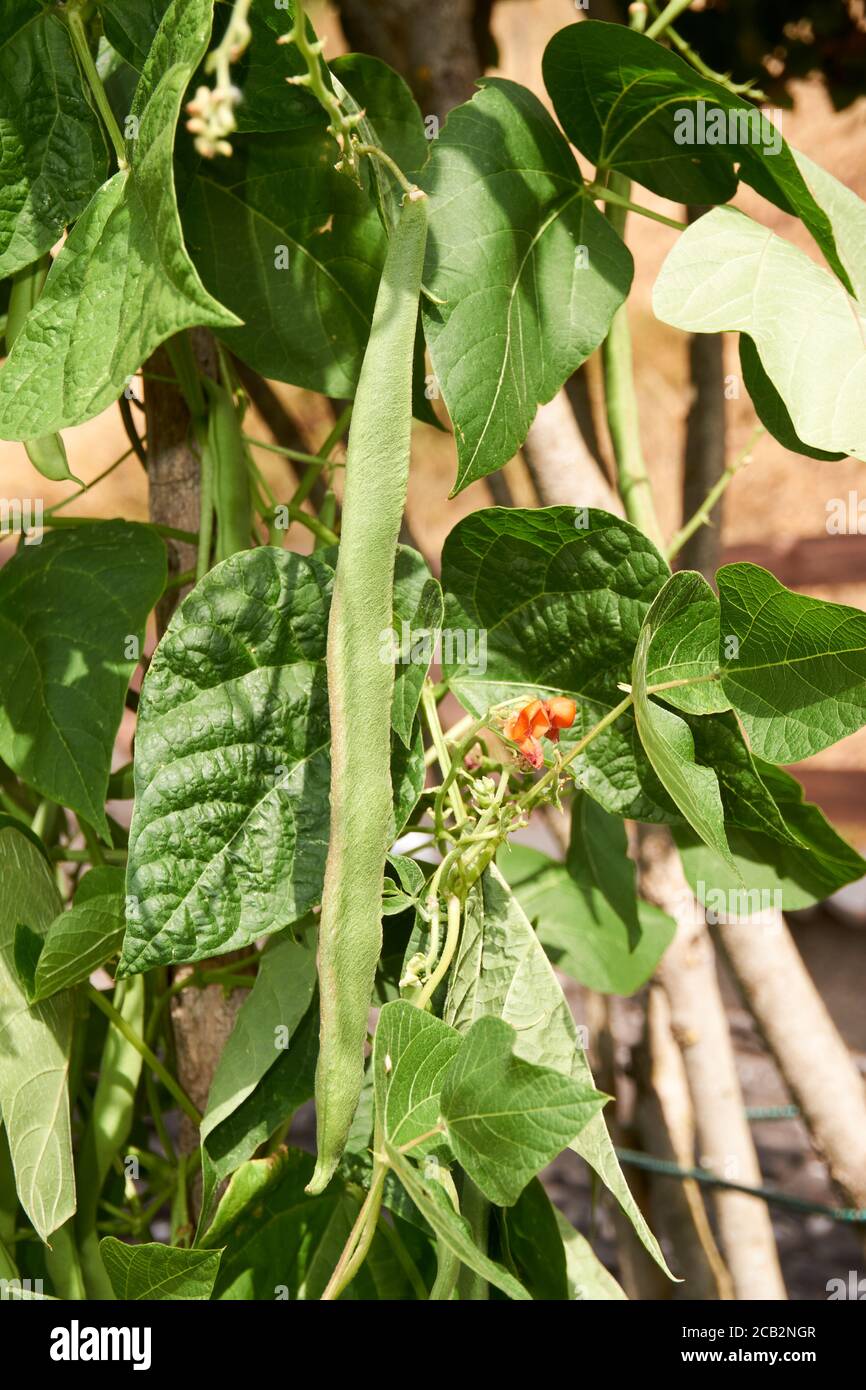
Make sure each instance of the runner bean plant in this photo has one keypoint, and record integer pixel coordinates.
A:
(301, 824)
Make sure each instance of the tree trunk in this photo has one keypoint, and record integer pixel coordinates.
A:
(202, 1019)
(810, 1054)
(705, 442)
(435, 47)
(688, 975)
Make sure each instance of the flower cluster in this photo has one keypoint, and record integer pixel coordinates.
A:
(537, 720)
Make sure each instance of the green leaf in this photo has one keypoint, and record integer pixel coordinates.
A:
(586, 1275)
(532, 1244)
(123, 281)
(450, 1227)
(54, 154)
(587, 915)
(728, 273)
(77, 943)
(417, 624)
(232, 762)
(667, 739)
(847, 214)
(629, 104)
(130, 27)
(283, 1088)
(529, 272)
(501, 969)
(798, 679)
(802, 868)
(550, 602)
(68, 609)
(412, 1052)
(281, 1243)
(685, 647)
(295, 248)
(265, 1025)
(159, 1272)
(769, 406)
(506, 1118)
(34, 1047)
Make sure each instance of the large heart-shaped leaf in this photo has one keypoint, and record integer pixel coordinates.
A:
(631, 105)
(72, 617)
(729, 273)
(54, 156)
(282, 238)
(551, 602)
(794, 668)
(507, 1118)
(412, 1052)
(34, 1047)
(123, 281)
(684, 648)
(528, 272)
(232, 763)
(501, 969)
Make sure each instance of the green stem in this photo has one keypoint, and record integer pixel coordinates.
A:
(62, 854)
(205, 516)
(431, 715)
(315, 461)
(62, 1264)
(621, 402)
(374, 152)
(174, 1089)
(610, 195)
(78, 34)
(476, 1210)
(311, 473)
(312, 523)
(703, 513)
(361, 1235)
(669, 15)
(452, 937)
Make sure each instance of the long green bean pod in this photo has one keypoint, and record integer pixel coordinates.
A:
(230, 472)
(361, 686)
(108, 1129)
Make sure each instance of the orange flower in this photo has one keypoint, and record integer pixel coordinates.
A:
(561, 712)
(536, 720)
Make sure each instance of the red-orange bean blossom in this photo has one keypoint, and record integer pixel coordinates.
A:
(536, 720)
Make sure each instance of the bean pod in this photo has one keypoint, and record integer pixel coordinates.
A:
(361, 686)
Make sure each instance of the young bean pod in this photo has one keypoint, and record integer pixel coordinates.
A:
(227, 458)
(361, 687)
